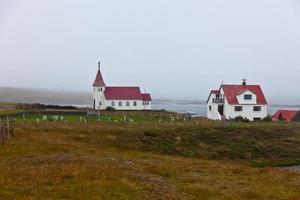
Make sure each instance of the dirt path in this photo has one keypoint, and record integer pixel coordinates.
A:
(160, 189)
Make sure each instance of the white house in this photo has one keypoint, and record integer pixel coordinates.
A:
(231, 101)
(120, 98)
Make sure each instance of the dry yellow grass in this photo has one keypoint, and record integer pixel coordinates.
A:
(76, 162)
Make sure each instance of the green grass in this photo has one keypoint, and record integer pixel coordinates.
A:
(93, 119)
(9, 112)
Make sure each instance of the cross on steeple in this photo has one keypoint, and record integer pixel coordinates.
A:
(99, 64)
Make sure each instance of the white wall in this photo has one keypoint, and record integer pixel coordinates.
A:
(247, 112)
(214, 113)
(131, 106)
(99, 97)
(147, 105)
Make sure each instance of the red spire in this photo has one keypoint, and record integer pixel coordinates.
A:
(99, 82)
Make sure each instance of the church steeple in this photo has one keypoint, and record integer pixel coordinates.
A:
(99, 82)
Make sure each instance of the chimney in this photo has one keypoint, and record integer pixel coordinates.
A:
(244, 81)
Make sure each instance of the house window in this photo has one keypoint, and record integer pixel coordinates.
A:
(127, 103)
(120, 103)
(100, 103)
(257, 108)
(248, 97)
(209, 108)
(238, 108)
(112, 103)
(134, 103)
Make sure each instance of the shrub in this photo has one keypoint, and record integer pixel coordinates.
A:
(109, 108)
(241, 119)
(267, 119)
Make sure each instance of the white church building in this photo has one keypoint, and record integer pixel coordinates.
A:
(120, 98)
(231, 101)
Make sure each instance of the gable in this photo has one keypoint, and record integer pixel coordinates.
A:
(232, 92)
(212, 92)
(246, 97)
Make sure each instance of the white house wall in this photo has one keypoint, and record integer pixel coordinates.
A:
(214, 113)
(247, 112)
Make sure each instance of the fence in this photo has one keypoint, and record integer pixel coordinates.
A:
(7, 129)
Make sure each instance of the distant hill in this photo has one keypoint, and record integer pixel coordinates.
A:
(25, 95)
(44, 96)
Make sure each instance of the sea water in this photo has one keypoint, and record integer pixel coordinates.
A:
(201, 109)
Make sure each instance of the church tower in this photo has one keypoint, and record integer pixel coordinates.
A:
(98, 92)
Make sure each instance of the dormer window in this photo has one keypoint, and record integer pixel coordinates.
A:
(248, 97)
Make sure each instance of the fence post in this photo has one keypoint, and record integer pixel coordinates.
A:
(2, 132)
(12, 127)
(7, 127)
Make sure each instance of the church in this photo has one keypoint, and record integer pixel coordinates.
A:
(118, 97)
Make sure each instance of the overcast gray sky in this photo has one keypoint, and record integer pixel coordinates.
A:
(173, 48)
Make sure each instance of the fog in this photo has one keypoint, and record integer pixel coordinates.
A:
(177, 49)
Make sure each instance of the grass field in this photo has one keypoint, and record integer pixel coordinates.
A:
(78, 118)
(147, 160)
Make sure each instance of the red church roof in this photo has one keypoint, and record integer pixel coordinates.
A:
(232, 91)
(120, 93)
(286, 115)
(99, 82)
(146, 97)
(123, 93)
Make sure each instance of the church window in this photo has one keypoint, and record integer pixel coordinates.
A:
(134, 103)
(120, 103)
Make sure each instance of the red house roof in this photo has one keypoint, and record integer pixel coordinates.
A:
(286, 115)
(215, 92)
(99, 82)
(123, 93)
(232, 91)
(146, 97)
